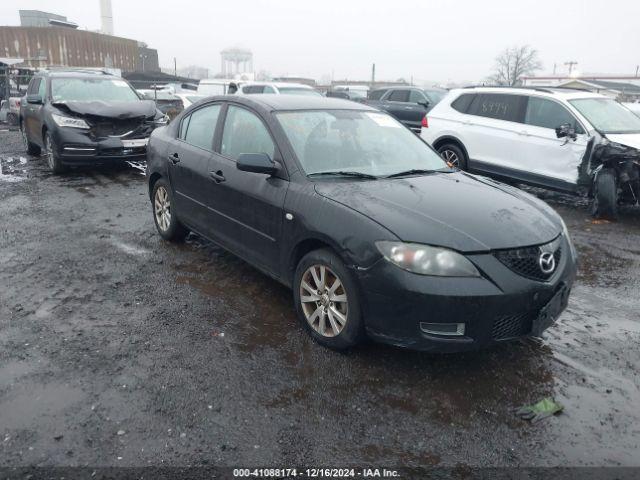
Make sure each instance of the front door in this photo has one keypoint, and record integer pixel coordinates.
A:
(189, 155)
(247, 207)
(549, 158)
(33, 111)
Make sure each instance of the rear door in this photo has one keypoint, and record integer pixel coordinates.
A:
(549, 158)
(494, 132)
(247, 208)
(189, 157)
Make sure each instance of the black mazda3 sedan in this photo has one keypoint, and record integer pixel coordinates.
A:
(86, 117)
(374, 233)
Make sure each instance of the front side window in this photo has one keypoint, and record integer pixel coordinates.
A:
(269, 89)
(399, 96)
(549, 114)
(607, 115)
(499, 106)
(377, 94)
(199, 128)
(244, 132)
(367, 142)
(92, 89)
(34, 86)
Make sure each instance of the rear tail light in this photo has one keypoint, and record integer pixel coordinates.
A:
(425, 122)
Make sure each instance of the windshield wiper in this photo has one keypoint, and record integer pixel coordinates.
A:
(415, 171)
(344, 173)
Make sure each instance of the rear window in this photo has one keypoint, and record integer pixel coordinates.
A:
(499, 106)
(461, 104)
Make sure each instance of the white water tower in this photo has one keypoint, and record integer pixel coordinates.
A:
(106, 16)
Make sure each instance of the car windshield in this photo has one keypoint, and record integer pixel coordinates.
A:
(607, 115)
(366, 142)
(299, 91)
(435, 95)
(92, 89)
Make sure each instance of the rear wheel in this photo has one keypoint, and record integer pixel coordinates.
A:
(326, 300)
(29, 147)
(453, 155)
(605, 194)
(167, 224)
(51, 155)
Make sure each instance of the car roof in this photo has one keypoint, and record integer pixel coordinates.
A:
(275, 102)
(277, 84)
(552, 92)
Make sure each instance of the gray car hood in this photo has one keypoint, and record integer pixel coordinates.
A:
(116, 110)
(454, 210)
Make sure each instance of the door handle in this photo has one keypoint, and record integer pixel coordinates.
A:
(175, 158)
(217, 177)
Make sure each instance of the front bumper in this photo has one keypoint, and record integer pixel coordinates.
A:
(76, 147)
(499, 306)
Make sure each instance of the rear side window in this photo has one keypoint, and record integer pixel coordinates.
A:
(244, 132)
(462, 103)
(253, 89)
(549, 114)
(399, 96)
(500, 106)
(200, 127)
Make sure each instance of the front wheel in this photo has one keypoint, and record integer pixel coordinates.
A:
(164, 215)
(453, 155)
(51, 155)
(605, 195)
(326, 300)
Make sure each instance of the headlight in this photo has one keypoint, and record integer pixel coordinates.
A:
(426, 260)
(162, 121)
(63, 121)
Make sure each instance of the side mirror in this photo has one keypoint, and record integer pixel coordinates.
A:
(566, 131)
(256, 163)
(424, 103)
(34, 99)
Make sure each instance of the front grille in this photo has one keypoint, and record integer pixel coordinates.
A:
(526, 261)
(118, 128)
(511, 326)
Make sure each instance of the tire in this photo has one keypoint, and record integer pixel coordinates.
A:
(51, 155)
(454, 155)
(605, 195)
(12, 119)
(29, 147)
(167, 224)
(333, 319)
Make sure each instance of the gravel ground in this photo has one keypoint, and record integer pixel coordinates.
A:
(119, 349)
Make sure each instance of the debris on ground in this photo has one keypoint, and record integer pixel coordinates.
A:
(539, 411)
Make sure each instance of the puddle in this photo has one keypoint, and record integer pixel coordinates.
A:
(130, 249)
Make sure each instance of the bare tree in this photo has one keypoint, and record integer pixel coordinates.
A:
(513, 63)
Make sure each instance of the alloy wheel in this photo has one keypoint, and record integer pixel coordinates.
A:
(162, 208)
(324, 300)
(451, 157)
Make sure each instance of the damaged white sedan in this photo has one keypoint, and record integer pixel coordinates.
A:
(564, 139)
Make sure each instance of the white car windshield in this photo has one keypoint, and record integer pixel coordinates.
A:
(607, 115)
(92, 89)
(365, 142)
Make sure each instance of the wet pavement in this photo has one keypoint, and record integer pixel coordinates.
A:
(117, 348)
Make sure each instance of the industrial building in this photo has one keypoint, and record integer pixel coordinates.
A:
(45, 39)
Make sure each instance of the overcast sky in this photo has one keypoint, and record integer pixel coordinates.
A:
(437, 40)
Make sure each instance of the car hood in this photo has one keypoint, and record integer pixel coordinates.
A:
(116, 110)
(628, 139)
(455, 210)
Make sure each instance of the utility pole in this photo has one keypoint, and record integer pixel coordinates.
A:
(637, 68)
(373, 75)
(571, 64)
(175, 68)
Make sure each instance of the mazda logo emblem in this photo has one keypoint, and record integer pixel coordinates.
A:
(547, 262)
